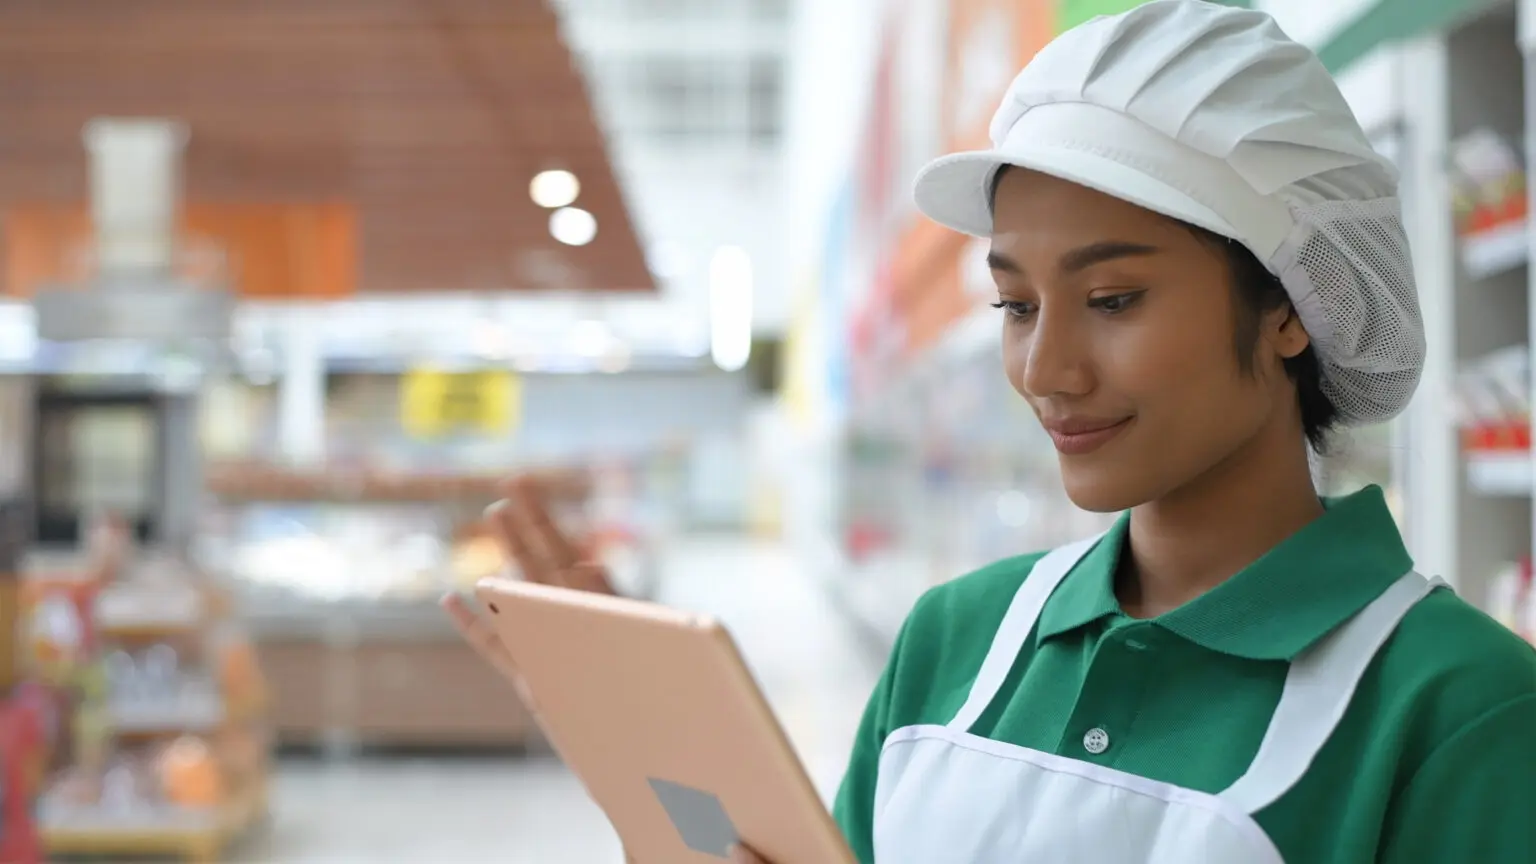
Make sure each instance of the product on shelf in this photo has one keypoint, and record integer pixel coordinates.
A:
(23, 761)
(189, 774)
(56, 630)
(167, 684)
(239, 672)
(476, 557)
(1512, 599)
(1493, 401)
(1488, 181)
(1488, 187)
(1493, 407)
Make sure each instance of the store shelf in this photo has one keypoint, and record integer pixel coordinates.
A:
(1500, 473)
(196, 715)
(242, 482)
(137, 610)
(1496, 250)
(194, 835)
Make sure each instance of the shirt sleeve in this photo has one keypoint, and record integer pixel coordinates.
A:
(1473, 798)
(855, 805)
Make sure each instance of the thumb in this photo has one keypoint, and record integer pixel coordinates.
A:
(588, 577)
(742, 855)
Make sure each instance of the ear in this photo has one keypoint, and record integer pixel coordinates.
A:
(1286, 335)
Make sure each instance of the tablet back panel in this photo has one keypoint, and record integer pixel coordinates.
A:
(656, 712)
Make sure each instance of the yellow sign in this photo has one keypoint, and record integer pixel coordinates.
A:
(435, 403)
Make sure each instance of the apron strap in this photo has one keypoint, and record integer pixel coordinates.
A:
(1017, 624)
(1318, 689)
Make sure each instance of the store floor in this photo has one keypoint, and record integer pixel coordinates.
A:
(531, 811)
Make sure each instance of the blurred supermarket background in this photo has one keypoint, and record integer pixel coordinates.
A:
(290, 286)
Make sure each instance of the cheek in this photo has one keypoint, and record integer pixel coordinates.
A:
(1155, 365)
(1191, 390)
(1015, 350)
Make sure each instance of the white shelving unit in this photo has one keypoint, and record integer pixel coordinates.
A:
(1470, 512)
(1496, 475)
(1496, 251)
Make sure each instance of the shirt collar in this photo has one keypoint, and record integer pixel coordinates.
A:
(1088, 591)
(1276, 607)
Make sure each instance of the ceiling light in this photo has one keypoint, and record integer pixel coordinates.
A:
(573, 226)
(554, 189)
(730, 308)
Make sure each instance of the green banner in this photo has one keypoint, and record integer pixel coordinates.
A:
(1393, 20)
(1070, 13)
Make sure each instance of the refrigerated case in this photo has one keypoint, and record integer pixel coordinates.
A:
(96, 451)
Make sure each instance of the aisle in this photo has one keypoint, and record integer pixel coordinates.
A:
(532, 811)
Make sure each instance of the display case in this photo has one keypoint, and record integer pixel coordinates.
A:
(338, 574)
(162, 740)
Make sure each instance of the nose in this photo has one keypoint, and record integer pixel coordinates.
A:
(1055, 356)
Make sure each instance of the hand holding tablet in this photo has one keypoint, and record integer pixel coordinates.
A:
(651, 707)
(544, 554)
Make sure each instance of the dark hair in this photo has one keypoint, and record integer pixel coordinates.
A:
(1258, 293)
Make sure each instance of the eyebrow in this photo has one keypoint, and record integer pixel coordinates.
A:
(1081, 258)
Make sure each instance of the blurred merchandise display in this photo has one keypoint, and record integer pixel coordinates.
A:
(1493, 400)
(164, 702)
(1355, 458)
(1490, 200)
(944, 471)
(391, 537)
(338, 572)
(1476, 296)
(1512, 598)
(30, 712)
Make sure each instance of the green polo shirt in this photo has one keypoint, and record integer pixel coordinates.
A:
(1433, 763)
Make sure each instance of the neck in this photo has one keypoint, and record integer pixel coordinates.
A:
(1192, 540)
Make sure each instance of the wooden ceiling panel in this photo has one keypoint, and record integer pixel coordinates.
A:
(431, 116)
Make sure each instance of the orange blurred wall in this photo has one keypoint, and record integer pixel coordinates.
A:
(275, 251)
(929, 293)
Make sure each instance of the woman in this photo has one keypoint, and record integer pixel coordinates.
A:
(1201, 270)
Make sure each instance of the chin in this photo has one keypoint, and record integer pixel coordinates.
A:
(1102, 491)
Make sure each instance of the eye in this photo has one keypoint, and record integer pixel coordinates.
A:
(1015, 309)
(1116, 303)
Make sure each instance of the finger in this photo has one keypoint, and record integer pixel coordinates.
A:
(590, 577)
(550, 543)
(512, 536)
(478, 632)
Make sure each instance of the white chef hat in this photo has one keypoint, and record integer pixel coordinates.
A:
(1212, 115)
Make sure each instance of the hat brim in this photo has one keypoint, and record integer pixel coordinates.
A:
(952, 190)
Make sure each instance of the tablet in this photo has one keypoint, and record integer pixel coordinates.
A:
(657, 714)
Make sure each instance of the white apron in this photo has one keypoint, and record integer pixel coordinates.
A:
(945, 796)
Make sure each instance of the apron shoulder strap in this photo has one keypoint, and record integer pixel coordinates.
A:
(1017, 624)
(1318, 689)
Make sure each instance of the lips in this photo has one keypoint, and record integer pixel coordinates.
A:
(1081, 436)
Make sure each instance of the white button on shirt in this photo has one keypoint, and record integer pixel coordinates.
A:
(1096, 741)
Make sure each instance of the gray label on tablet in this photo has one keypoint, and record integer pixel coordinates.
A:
(698, 816)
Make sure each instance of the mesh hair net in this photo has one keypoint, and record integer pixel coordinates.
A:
(1256, 132)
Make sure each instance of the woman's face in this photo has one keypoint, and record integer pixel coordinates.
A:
(1119, 331)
